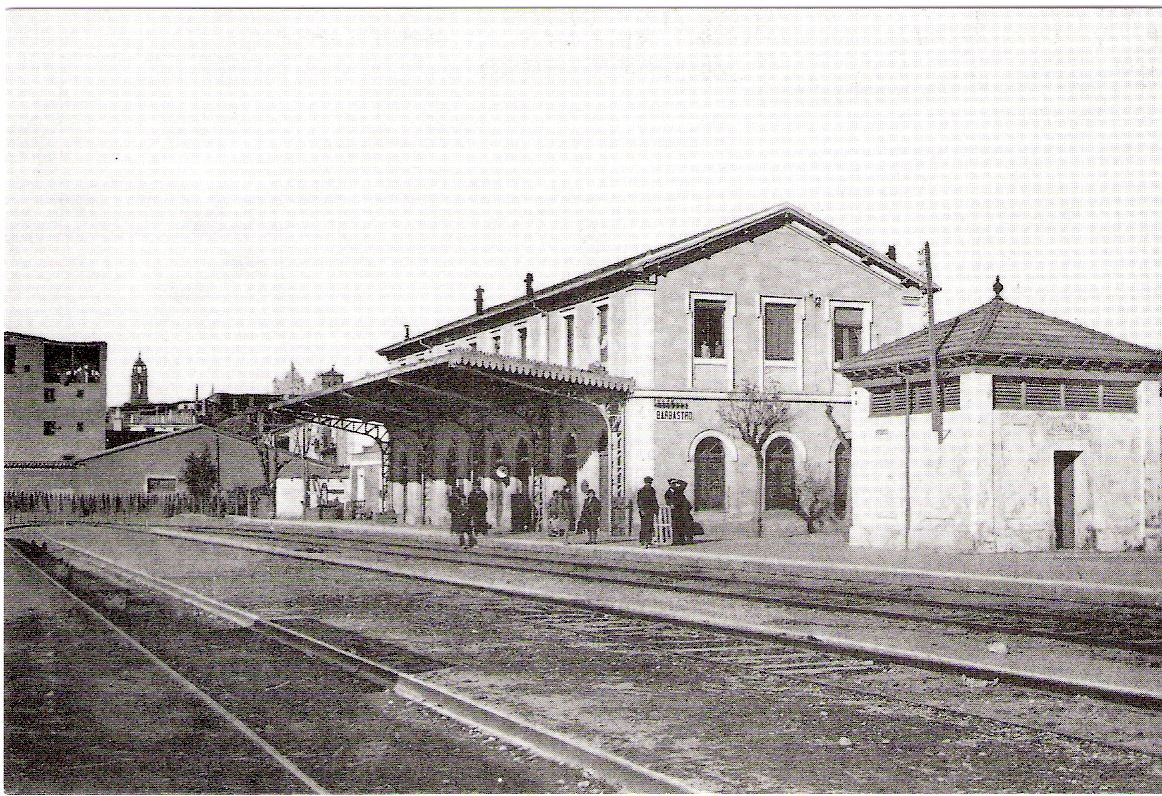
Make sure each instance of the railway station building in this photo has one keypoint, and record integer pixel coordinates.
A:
(1049, 437)
(620, 373)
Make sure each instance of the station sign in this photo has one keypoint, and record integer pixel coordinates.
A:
(672, 410)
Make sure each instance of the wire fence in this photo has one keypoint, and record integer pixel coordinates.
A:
(63, 504)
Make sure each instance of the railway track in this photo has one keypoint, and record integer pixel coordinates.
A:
(1131, 628)
(771, 667)
(390, 668)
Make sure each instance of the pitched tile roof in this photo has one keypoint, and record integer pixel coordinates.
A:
(1001, 331)
(656, 261)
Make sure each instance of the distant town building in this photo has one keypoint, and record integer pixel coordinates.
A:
(1050, 437)
(54, 398)
(139, 382)
(291, 384)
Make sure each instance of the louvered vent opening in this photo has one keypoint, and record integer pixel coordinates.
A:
(1077, 395)
(1082, 395)
(1006, 393)
(1120, 398)
(889, 399)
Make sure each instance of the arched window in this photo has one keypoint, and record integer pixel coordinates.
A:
(842, 479)
(709, 475)
(780, 475)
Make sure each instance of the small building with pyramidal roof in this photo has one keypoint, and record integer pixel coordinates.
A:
(1047, 435)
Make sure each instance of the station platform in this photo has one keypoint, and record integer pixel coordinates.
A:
(1130, 577)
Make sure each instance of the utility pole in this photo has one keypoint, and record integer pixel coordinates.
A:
(937, 416)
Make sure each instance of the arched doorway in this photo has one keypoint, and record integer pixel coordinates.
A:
(780, 475)
(710, 475)
(842, 479)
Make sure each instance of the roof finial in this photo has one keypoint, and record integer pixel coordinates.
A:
(998, 287)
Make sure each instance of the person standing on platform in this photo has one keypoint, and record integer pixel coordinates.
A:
(647, 509)
(590, 516)
(458, 509)
(478, 509)
(680, 516)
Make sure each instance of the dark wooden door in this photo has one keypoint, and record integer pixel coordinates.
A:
(709, 475)
(1064, 513)
(780, 475)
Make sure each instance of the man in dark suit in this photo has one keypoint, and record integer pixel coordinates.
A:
(647, 509)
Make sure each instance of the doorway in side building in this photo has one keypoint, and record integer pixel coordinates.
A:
(1064, 512)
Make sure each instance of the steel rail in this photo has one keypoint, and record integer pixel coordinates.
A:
(766, 592)
(517, 730)
(286, 763)
(466, 711)
(1097, 688)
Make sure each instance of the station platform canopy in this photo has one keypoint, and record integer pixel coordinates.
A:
(443, 388)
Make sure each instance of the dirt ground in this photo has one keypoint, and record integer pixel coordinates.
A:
(84, 713)
(720, 727)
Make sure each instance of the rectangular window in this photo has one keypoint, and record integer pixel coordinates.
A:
(69, 364)
(603, 334)
(49, 395)
(523, 337)
(708, 329)
(9, 358)
(569, 341)
(848, 332)
(496, 344)
(80, 393)
(157, 486)
(778, 332)
(80, 425)
(49, 428)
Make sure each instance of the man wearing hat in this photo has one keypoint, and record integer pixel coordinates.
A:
(680, 517)
(647, 509)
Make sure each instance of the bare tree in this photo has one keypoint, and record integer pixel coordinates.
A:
(754, 416)
(813, 499)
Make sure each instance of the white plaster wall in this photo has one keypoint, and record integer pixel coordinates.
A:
(877, 476)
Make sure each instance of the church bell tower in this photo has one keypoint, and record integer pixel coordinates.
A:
(139, 382)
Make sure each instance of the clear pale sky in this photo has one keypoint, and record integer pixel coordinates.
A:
(228, 191)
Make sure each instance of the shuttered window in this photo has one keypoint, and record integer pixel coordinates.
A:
(890, 399)
(1057, 395)
(778, 332)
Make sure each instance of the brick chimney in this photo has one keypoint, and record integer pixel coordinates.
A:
(528, 284)
(479, 300)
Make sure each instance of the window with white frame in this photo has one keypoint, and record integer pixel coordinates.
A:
(569, 340)
(847, 331)
(603, 334)
(709, 329)
(778, 331)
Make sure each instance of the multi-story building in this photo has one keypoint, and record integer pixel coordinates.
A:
(622, 372)
(54, 398)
